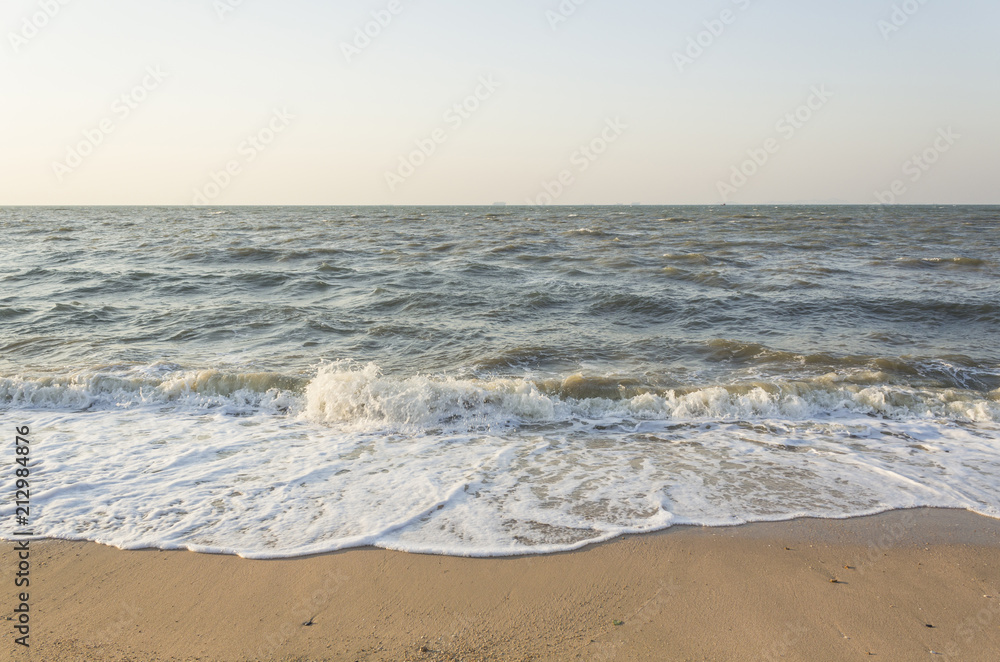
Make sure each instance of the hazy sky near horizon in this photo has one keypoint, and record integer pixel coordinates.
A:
(125, 102)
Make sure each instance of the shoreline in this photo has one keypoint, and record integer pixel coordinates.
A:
(899, 585)
(756, 526)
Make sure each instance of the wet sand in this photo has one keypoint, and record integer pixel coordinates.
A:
(907, 585)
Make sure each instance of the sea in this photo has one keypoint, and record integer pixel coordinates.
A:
(491, 381)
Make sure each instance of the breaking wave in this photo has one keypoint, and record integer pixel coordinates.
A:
(361, 396)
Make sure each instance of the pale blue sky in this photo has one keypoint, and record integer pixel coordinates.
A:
(685, 130)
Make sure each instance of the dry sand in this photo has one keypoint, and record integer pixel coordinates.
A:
(912, 585)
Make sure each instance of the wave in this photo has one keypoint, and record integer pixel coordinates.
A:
(361, 397)
(711, 278)
(934, 262)
(948, 371)
(690, 258)
(158, 384)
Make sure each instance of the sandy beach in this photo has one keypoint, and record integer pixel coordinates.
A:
(899, 586)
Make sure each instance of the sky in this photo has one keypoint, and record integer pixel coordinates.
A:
(454, 102)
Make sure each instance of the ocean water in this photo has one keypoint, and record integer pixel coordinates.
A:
(273, 382)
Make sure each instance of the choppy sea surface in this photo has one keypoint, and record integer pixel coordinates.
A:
(480, 381)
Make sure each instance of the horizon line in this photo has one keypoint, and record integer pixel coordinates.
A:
(525, 206)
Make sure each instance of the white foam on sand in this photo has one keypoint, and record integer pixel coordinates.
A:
(268, 466)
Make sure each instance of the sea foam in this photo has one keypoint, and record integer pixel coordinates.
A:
(264, 465)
